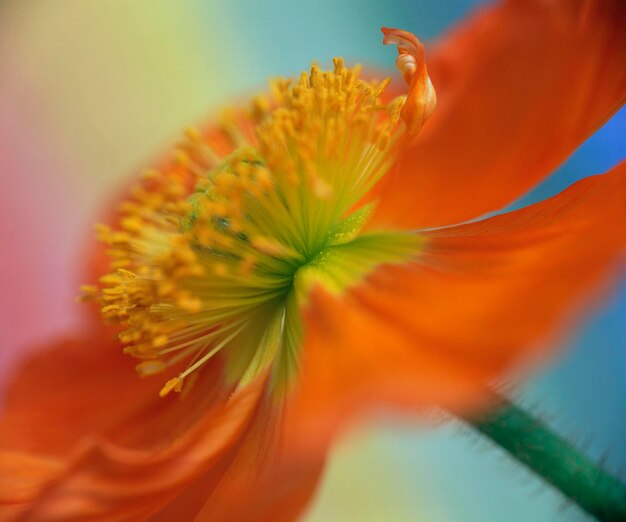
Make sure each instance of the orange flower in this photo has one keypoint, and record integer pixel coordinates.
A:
(295, 267)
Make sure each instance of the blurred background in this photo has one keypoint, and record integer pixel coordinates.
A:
(90, 91)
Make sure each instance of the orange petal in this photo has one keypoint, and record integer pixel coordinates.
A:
(84, 387)
(268, 479)
(121, 452)
(421, 98)
(357, 360)
(78, 387)
(105, 481)
(519, 86)
(22, 477)
(482, 297)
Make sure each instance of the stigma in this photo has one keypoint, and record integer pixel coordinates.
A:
(214, 253)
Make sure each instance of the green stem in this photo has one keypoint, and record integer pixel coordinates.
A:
(554, 459)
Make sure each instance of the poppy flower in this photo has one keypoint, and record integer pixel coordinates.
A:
(314, 258)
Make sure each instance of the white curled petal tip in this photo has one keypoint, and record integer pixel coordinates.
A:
(407, 66)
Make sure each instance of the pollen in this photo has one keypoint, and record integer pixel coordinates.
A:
(208, 250)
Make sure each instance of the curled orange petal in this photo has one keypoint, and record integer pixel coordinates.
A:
(421, 98)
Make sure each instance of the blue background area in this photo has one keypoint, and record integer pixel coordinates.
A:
(282, 37)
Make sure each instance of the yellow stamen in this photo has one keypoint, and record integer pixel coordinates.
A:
(175, 384)
(209, 247)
